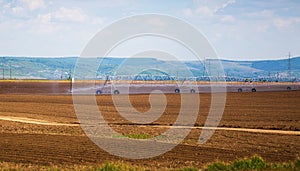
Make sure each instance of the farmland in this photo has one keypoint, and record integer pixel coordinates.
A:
(40, 127)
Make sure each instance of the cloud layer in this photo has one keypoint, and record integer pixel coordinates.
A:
(238, 29)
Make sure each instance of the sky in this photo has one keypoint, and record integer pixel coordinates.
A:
(237, 29)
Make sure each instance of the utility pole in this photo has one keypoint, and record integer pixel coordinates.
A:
(10, 71)
(71, 80)
(204, 68)
(289, 67)
(2, 65)
(209, 71)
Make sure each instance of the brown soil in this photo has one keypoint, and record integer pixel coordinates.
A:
(46, 144)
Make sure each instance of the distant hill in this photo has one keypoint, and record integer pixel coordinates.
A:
(263, 68)
(60, 68)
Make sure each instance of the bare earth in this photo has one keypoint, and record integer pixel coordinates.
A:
(43, 129)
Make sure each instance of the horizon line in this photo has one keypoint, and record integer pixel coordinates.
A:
(223, 59)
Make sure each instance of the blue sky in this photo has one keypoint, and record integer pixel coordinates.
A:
(238, 29)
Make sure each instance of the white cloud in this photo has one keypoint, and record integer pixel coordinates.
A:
(45, 23)
(44, 19)
(286, 23)
(228, 18)
(187, 12)
(20, 8)
(17, 10)
(6, 8)
(42, 29)
(207, 8)
(70, 14)
(266, 13)
(262, 14)
(73, 14)
(204, 11)
(224, 5)
(157, 22)
(262, 27)
(33, 4)
(98, 21)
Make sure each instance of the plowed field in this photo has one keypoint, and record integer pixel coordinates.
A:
(43, 130)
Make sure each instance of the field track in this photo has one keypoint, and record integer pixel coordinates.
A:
(43, 129)
(34, 121)
(43, 122)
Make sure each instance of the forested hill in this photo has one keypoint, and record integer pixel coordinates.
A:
(59, 68)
